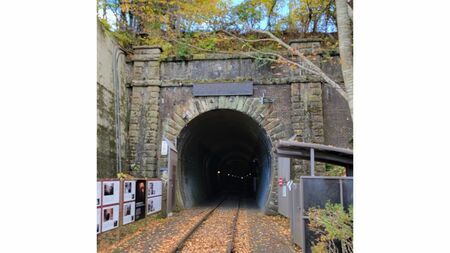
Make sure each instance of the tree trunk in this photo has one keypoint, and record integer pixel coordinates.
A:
(345, 48)
(291, 25)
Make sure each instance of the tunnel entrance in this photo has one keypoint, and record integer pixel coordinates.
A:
(223, 152)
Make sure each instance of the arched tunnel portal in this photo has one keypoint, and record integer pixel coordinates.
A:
(223, 151)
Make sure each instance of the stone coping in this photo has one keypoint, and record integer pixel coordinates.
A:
(305, 40)
(148, 47)
(220, 56)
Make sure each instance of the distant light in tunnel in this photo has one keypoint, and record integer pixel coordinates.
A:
(218, 172)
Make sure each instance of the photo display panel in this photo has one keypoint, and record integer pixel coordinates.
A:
(154, 188)
(129, 191)
(140, 199)
(99, 211)
(99, 193)
(111, 192)
(128, 212)
(110, 217)
(153, 205)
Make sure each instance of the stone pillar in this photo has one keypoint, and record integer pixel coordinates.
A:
(307, 122)
(144, 118)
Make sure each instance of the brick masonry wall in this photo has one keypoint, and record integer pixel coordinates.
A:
(338, 124)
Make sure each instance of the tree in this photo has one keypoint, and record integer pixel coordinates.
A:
(345, 48)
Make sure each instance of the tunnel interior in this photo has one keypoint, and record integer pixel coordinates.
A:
(223, 152)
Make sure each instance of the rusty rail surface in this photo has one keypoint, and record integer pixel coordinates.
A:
(230, 247)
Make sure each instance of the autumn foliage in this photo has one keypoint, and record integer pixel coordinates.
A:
(199, 26)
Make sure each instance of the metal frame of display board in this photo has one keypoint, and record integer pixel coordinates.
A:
(122, 201)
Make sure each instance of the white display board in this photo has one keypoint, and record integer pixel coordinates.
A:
(129, 190)
(128, 212)
(110, 217)
(111, 192)
(153, 205)
(99, 193)
(99, 211)
(154, 188)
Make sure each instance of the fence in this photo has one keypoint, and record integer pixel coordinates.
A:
(316, 192)
(120, 202)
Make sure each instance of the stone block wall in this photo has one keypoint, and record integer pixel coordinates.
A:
(307, 122)
(144, 116)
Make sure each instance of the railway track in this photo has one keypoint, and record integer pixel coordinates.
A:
(215, 232)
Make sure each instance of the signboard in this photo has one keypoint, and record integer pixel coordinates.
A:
(99, 211)
(154, 188)
(99, 193)
(110, 217)
(164, 148)
(289, 184)
(223, 89)
(128, 212)
(140, 199)
(164, 173)
(111, 190)
(129, 191)
(153, 205)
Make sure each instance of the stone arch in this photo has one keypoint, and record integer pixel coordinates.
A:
(263, 114)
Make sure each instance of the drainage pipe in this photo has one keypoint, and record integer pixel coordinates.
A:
(116, 54)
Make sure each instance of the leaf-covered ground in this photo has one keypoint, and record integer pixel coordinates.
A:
(154, 235)
(257, 232)
(216, 232)
(254, 232)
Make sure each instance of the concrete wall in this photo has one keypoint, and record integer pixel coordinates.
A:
(106, 112)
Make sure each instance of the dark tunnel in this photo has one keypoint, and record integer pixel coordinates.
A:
(223, 151)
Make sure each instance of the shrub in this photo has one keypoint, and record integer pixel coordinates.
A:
(334, 228)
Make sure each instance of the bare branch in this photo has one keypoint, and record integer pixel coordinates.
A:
(309, 66)
(304, 64)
